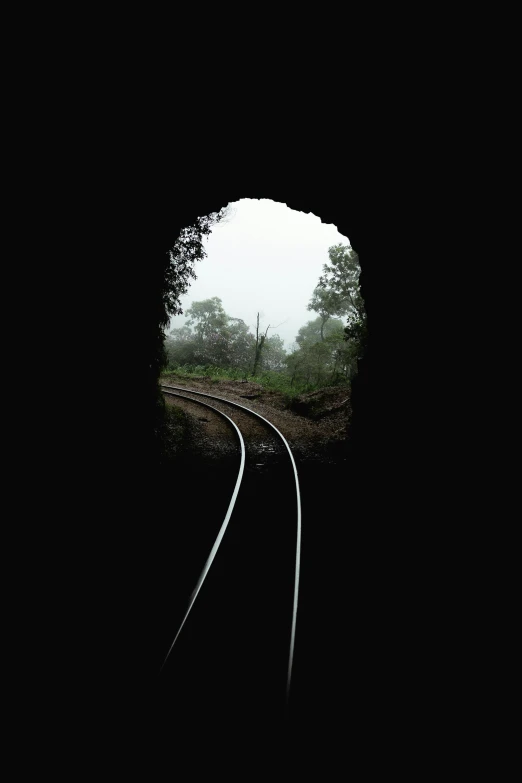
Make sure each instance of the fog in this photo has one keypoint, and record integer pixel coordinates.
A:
(265, 258)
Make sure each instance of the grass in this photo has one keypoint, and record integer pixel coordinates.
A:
(273, 381)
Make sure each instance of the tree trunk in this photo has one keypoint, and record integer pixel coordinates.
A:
(260, 341)
(259, 348)
(324, 319)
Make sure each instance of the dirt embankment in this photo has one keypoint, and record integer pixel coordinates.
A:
(315, 425)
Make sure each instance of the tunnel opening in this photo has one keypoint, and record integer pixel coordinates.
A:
(370, 632)
(277, 304)
(218, 351)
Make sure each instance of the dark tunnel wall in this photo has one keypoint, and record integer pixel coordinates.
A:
(147, 221)
(108, 609)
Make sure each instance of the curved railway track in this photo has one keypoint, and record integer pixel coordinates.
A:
(236, 639)
(223, 527)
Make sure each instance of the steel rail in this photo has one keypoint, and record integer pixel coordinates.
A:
(165, 388)
(224, 525)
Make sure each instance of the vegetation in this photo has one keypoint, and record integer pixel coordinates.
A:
(270, 380)
(340, 278)
(212, 338)
(215, 344)
(172, 281)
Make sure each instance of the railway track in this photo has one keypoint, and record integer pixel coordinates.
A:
(234, 645)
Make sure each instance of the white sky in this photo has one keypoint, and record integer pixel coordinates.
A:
(267, 258)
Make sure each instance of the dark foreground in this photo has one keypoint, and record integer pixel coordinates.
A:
(226, 677)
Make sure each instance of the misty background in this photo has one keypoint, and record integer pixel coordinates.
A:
(265, 257)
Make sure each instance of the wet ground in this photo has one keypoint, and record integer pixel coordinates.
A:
(316, 425)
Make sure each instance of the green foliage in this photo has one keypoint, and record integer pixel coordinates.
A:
(181, 347)
(208, 318)
(321, 357)
(273, 355)
(215, 338)
(282, 382)
(327, 353)
(271, 380)
(310, 333)
(206, 371)
(356, 334)
(218, 346)
(187, 250)
(327, 303)
(341, 279)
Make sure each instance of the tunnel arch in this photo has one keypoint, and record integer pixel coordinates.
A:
(329, 213)
(132, 215)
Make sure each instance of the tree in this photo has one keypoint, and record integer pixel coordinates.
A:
(274, 354)
(208, 317)
(341, 278)
(215, 339)
(181, 346)
(327, 303)
(261, 343)
(315, 331)
(241, 344)
(309, 364)
(317, 358)
(356, 333)
(211, 330)
(187, 249)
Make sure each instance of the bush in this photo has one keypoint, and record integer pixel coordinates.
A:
(271, 380)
